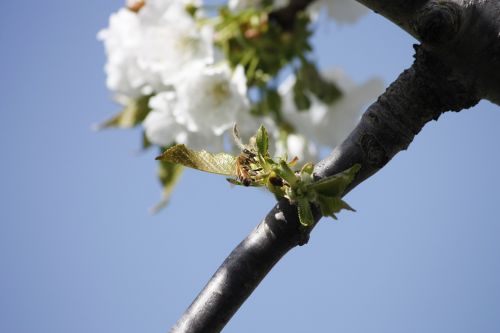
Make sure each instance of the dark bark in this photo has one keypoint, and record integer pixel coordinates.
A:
(243, 270)
(420, 94)
(464, 34)
(449, 74)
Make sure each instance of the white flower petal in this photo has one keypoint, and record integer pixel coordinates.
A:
(210, 99)
(160, 125)
(162, 128)
(147, 50)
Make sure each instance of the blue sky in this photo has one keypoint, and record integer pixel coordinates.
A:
(80, 253)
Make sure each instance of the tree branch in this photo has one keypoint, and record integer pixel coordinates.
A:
(464, 34)
(457, 65)
(420, 94)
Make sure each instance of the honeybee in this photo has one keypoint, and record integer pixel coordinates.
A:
(244, 171)
(245, 168)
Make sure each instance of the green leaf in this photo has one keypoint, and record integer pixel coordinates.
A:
(334, 186)
(307, 168)
(133, 114)
(262, 141)
(249, 38)
(301, 100)
(283, 170)
(305, 214)
(325, 90)
(169, 174)
(329, 205)
(222, 163)
(273, 104)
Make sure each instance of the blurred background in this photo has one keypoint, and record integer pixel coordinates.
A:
(79, 251)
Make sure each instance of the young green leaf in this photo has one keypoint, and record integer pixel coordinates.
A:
(300, 98)
(325, 90)
(283, 170)
(305, 214)
(334, 186)
(262, 141)
(221, 163)
(133, 114)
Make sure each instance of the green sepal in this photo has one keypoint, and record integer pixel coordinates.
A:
(133, 114)
(305, 214)
(221, 163)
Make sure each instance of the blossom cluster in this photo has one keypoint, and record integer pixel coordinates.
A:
(166, 51)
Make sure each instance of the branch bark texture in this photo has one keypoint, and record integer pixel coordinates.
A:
(464, 34)
(449, 74)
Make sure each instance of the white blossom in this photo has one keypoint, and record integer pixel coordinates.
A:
(160, 125)
(172, 42)
(121, 40)
(162, 129)
(147, 50)
(327, 125)
(200, 108)
(210, 97)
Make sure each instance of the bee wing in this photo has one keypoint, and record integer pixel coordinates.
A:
(221, 163)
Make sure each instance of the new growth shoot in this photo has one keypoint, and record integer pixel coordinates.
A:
(255, 167)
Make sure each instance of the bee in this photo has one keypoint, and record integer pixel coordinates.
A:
(244, 171)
